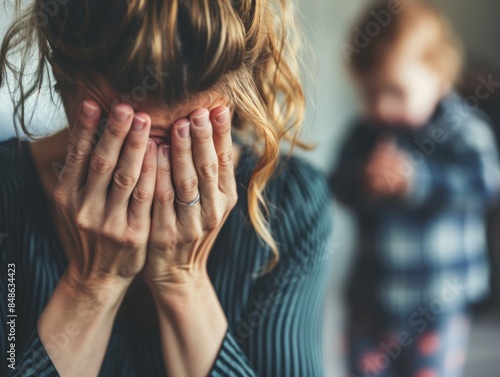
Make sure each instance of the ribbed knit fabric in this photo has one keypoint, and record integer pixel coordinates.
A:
(275, 320)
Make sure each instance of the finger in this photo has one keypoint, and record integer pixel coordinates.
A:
(163, 205)
(184, 172)
(106, 153)
(142, 196)
(80, 145)
(221, 121)
(204, 155)
(129, 165)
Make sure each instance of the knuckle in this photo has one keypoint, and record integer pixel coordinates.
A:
(81, 221)
(189, 185)
(183, 152)
(203, 136)
(108, 232)
(164, 172)
(166, 197)
(190, 238)
(123, 179)
(212, 223)
(100, 165)
(226, 158)
(191, 235)
(141, 195)
(60, 197)
(134, 144)
(131, 240)
(224, 130)
(148, 168)
(85, 123)
(114, 130)
(140, 229)
(76, 153)
(209, 170)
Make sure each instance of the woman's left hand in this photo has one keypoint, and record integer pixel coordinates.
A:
(199, 160)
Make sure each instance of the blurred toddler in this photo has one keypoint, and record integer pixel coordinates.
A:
(418, 169)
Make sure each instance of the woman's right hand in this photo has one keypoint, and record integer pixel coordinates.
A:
(104, 195)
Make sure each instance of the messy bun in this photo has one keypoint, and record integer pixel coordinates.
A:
(246, 49)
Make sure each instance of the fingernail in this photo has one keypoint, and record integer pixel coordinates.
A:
(88, 110)
(120, 114)
(150, 143)
(222, 117)
(202, 119)
(166, 151)
(138, 123)
(184, 131)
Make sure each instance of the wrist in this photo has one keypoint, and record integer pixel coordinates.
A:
(192, 322)
(186, 286)
(100, 291)
(76, 323)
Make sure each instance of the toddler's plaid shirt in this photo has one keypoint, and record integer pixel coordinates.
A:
(428, 248)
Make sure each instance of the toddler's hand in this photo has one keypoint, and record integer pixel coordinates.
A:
(383, 173)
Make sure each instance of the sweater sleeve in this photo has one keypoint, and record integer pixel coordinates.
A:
(279, 333)
(471, 175)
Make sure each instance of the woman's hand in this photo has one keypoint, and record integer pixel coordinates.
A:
(200, 160)
(105, 193)
(105, 199)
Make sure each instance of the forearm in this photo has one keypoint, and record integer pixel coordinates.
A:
(76, 324)
(192, 327)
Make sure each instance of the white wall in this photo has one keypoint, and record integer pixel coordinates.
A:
(46, 118)
(477, 24)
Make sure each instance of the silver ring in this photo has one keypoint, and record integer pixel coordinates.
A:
(182, 204)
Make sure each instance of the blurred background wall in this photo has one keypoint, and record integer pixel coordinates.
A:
(332, 103)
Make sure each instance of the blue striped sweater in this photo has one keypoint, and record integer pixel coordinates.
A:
(275, 320)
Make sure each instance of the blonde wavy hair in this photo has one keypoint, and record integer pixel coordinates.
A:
(247, 49)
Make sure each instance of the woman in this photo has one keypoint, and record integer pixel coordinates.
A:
(161, 247)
